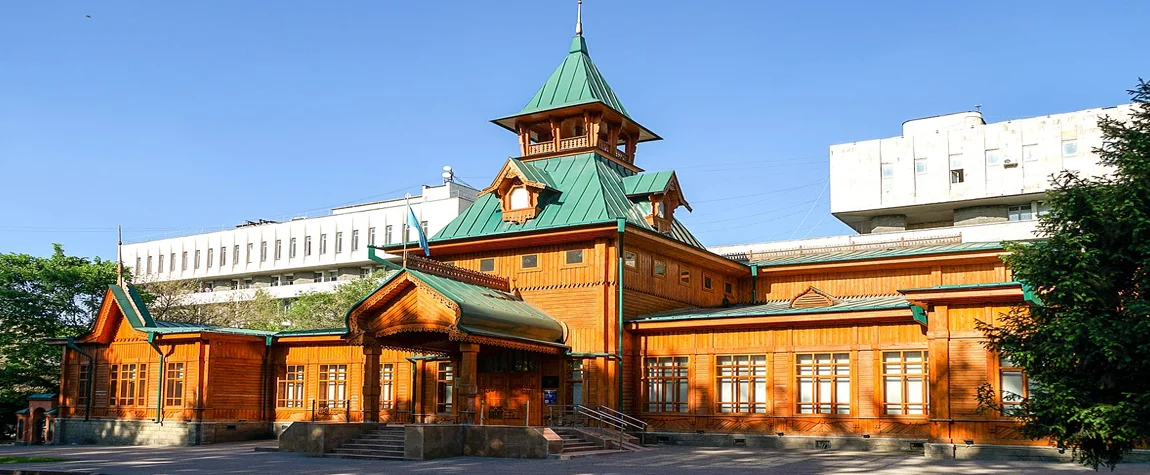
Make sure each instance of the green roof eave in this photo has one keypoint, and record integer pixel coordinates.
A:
(986, 285)
(782, 308)
(508, 121)
(869, 254)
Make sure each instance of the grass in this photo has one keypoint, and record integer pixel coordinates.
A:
(4, 460)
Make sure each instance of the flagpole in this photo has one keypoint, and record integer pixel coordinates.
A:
(406, 211)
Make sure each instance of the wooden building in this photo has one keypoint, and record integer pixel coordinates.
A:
(571, 282)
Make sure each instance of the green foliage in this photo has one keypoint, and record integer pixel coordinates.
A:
(328, 310)
(1089, 344)
(42, 298)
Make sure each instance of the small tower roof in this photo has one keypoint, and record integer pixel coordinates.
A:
(576, 81)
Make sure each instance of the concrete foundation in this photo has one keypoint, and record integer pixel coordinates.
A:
(859, 444)
(318, 438)
(120, 432)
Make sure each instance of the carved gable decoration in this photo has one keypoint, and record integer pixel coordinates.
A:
(813, 298)
(662, 190)
(518, 187)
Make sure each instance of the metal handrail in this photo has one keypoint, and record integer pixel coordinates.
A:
(629, 420)
(606, 421)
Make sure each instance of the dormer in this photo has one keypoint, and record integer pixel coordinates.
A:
(574, 112)
(662, 191)
(520, 187)
(813, 297)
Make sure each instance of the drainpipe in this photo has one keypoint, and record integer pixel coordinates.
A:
(754, 284)
(621, 226)
(264, 373)
(159, 390)
(91, 376)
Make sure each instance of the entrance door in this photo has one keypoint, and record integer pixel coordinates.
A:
(509, 387)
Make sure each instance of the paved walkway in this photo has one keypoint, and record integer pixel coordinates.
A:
(240, 458)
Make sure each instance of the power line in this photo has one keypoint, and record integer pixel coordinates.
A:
(824, 190)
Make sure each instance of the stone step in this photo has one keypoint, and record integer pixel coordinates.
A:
(376, 452)
(371, 445)
(363, 457)
(585, 448)
(381, 437)
(590, 453)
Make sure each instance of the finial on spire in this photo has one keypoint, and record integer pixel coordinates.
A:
(120, 256)
(579, 19)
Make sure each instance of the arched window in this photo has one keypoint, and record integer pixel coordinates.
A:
(520, 198)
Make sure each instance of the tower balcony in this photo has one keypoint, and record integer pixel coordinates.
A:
(581, 142)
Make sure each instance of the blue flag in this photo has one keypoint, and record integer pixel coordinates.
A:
(413, 222)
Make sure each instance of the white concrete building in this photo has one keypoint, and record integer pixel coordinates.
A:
(955, 170)
(288, 258)
(950, 179)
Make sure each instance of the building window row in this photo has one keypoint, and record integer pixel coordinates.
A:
(822, 383)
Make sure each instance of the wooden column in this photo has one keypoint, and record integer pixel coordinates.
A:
(632, 141)
(371, 383)
(938, 345)
(466, 382)
(524, 140)
(613, 137)
(593, 131)
(555, 133)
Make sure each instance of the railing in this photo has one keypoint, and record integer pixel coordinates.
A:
(606, 147)
(573, 142)
(579, 415)
(542, 147)
(624, 418)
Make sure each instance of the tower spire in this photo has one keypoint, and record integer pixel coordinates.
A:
(579, 19)
(120, 255)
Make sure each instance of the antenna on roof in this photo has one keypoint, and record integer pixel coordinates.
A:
(119, 255)
(579, 19)
(978, 108)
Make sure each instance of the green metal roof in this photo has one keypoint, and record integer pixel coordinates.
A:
(779, 308)
(575, 81)
(866, 254)
(132, 306)
(42, 397)
(647, 183)
(534, 174)
(489, 312)
(312, 332)
(987, 285)
(591, 190)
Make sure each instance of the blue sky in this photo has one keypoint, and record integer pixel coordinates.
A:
(172, 116)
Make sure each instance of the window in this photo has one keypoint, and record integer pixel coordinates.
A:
(275, 281)
(149, 269)
(707, 284)
(386, 386)
(742, 383)
(386, 235)
(332, 385)
(728, 288)
(338, 243)
(666, 382)
(128, 385)
(288, 280)
(1013, 384)
(365, 272)
(184, 260)
(174, 382)
(957, 176)
(904, 382)
(575, 381)
(529, 261)
(291, 248)
(319, 276)
(172, 262)
(660, 268)
(993, 158)
(236, 254)
(887, 170)
(251, 246)
(264, 251)
(684, 276)
(1030, 153)
(520, 198)
(444, 387)
(824, 383)
(223, 256)
(82, 383)
(139, 265)
(323, 243)
(1069, 148)
(354, 240)
(423, 226)
(956, 171)
(332, 275)
(289, 387)
(630, 259)
(1042, 208)
(487, 265)
(1019, 213)
(160, 263)
(920, 166)
(306, 246)
(211, 259)
(197, 263)
(574, 256)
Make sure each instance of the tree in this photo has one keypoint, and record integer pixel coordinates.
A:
(329, 309)
(40, 298)
(170, 300)
(1088, 343)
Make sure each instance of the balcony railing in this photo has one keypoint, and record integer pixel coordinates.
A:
(571, 143)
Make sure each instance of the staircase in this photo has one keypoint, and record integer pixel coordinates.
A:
(576, 444)
(385, 443)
